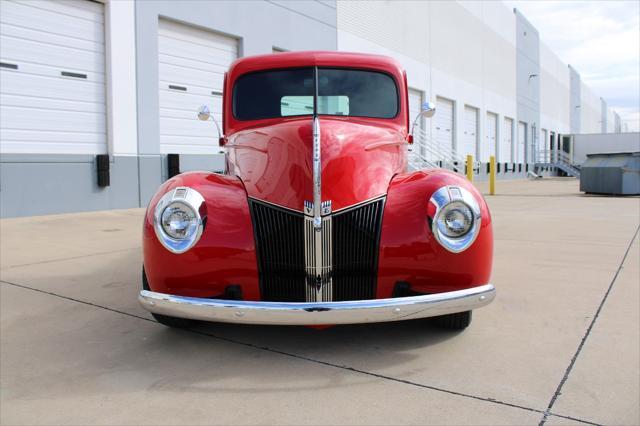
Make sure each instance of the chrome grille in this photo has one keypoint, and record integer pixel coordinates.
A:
(349, 245)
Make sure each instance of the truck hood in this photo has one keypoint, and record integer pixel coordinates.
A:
(275, 162)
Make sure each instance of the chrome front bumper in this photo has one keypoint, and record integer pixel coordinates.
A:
(318, 313)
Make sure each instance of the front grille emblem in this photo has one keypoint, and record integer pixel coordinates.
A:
(325, 207)
(308, 208)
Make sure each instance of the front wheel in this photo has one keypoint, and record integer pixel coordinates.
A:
(172, 322)
(457, 321)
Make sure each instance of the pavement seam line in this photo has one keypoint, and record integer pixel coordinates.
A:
(562, 416)
(68, 258)
(558, 391)
(303, 358)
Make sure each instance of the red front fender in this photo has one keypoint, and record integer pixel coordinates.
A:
(225, 254)
(408, 250)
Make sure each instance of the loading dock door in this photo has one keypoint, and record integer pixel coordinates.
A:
(491, 133)
(191, 66)
(52, 78)
(506, 147)
(470, 136)
(444, 125)
(522, 140)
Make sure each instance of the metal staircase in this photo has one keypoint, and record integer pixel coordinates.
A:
(427, 153)
(561, 161)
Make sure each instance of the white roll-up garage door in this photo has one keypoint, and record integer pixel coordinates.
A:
(192, 63)
(522, 138)
(444, 125)
(543, 146)
(52, 77)
(507, 141)
(491, 133)
(470, 133)
(415, 104)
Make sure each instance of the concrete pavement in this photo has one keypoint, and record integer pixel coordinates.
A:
(560, 344)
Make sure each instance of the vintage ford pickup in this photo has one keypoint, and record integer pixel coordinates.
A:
(316, 220)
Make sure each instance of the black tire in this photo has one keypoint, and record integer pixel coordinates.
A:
(172, 322)
(458, 321)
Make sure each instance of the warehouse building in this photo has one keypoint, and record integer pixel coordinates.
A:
(98, 98)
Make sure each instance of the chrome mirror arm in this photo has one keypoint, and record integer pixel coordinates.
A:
(427, 110)
(220, 135)
(415, 121)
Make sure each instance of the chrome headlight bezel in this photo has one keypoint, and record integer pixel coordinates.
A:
(187, 198)
(444, 197)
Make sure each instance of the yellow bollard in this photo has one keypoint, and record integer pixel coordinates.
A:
(492, 175)
(470, 168)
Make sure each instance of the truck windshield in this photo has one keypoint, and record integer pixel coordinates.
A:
(341, 92)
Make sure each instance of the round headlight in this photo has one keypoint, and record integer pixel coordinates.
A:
(179, 221)
(455, 219)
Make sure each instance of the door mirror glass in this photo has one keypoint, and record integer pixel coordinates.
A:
(203, 113)
(428, 109)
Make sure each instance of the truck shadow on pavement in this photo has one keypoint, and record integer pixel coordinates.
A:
(271, 357)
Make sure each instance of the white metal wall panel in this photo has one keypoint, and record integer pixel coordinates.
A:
(444, 124)
(415, 105)
(522, 138)
(470, 137)
(52, 77)
(506, 145)
(491, 135)
(191, 64)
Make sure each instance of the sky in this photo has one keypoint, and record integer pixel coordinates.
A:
(601, 40)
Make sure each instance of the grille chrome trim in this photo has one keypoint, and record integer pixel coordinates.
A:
(361, 203)
(318, 260)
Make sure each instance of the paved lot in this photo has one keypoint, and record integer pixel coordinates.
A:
(560, 344)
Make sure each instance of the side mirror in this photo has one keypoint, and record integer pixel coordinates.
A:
(203, 113)
(427, 110)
